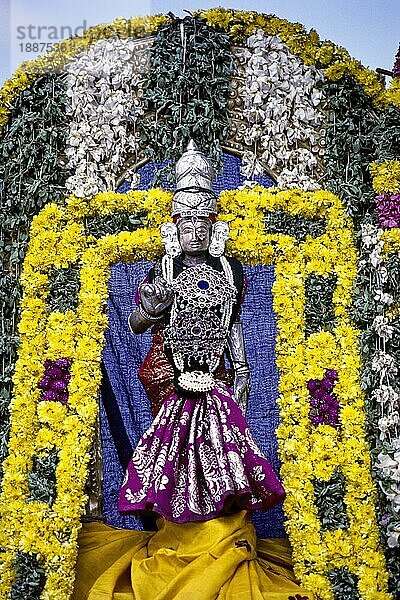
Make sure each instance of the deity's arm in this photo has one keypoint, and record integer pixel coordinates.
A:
(237, 352)
(138, 323)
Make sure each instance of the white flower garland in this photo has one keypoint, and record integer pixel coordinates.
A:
(283, 107)
(105, 88)
(388, 459)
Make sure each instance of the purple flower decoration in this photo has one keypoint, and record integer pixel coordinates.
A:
(318, 393)
(45, 383)
(326, 385)
(324, 405)
(331, 374)
(55, 381)
(312, 385)
(63, 363)
(58, 385)
(63, 397)
(388, 206)
(54, 372)
(50, 395)
(329, 400)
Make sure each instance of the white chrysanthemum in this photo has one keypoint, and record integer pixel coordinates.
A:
(105, 88)
(370, 235)
(384, 364)
(383, 298)
(386, 395)
(283, 107)
(382, 327)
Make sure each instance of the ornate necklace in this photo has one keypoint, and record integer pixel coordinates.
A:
(199, 324)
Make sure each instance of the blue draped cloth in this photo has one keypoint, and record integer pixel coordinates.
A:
(229, 178)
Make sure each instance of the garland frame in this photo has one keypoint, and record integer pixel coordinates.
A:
(307, 452)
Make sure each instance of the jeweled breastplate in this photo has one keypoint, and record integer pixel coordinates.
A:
(199, 323)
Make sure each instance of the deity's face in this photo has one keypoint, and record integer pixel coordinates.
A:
(194, 234)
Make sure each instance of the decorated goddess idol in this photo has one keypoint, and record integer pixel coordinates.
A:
(198, 460)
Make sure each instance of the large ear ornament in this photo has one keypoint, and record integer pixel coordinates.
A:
(169, 236)
(219, 236)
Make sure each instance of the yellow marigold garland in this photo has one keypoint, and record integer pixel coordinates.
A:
(386, 176)
(391, 239)
(339, 63)
(393, 93)
(57, 239)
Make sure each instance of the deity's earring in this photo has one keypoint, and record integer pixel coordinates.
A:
(219, 236)
(169, 236)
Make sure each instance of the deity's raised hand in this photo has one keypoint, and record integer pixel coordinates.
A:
(156, 297)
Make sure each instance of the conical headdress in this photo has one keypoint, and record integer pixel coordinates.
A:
(194, 196)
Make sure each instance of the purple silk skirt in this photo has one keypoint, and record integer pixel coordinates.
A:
(197, 461)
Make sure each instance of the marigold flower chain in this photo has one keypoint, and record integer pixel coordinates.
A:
(307, 452)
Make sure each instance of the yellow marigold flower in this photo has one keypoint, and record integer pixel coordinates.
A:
(386, 176)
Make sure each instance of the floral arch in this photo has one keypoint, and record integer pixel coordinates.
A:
(344, 263)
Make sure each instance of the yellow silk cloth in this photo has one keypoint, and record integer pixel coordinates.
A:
(218, 559)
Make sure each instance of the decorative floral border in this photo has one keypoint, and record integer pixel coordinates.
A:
(57, 240)
(62, 328)
(336, 61)
(306, 453)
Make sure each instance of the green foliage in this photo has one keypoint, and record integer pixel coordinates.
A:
(31, 174)
(386, 134)
(350, 146)
(392, 286)
(299, 227)
(29, 578)
(42, 478)
(63, 289)
(101, 225)
(329, 500)
(393, 566)
(188, 88)
(319, 309)
(344, 584)
(4, 424)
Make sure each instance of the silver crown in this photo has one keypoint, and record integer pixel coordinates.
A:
(194, 196)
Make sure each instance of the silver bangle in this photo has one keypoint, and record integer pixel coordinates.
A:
(241, 367)
(147, 316)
